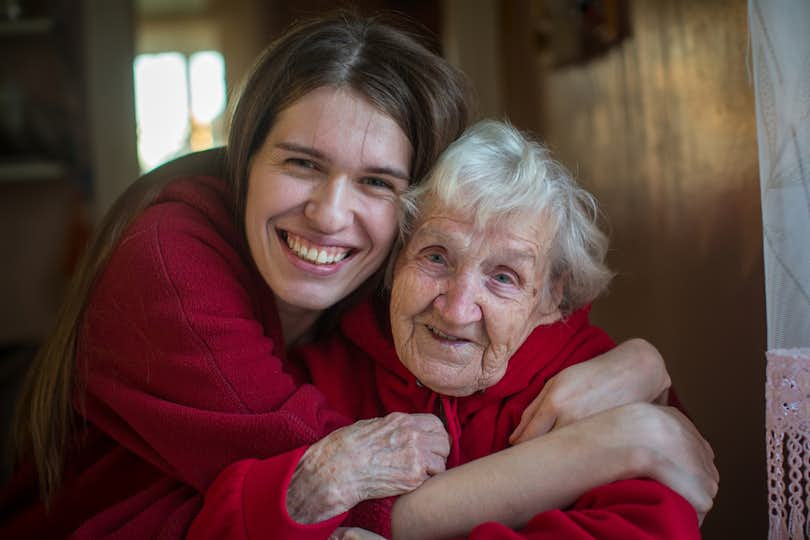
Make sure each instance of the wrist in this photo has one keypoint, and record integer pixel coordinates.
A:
(620, 456)
(398, 522)
(316, 492)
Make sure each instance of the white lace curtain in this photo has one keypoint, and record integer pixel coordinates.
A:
(780, 58)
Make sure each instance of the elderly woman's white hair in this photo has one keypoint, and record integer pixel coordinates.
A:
(494, 171)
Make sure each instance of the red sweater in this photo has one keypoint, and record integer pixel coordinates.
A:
(182, 363)
(360, 374)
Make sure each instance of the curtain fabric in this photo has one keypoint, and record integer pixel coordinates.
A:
(780, 59)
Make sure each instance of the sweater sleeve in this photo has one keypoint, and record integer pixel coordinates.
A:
(181, 360)
(247, 501)
(637, 509)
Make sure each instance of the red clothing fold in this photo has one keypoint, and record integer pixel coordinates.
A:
(359, 372)
(181, 359)
(190, 413)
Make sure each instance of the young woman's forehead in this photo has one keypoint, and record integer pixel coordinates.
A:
(339, 124)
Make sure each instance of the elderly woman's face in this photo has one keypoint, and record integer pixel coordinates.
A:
(464, 299)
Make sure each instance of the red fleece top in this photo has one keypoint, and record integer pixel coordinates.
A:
(360, 374)
(182, 363)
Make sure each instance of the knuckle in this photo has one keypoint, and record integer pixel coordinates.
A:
(415, 471)
(397, 417)
(705, 505)
(411, 456)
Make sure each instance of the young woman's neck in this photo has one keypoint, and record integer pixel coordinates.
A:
(296, 322)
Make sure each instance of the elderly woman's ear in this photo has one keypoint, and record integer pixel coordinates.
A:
(550, 306)
(557, 291)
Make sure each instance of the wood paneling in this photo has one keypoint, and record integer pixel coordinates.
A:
(662, 130)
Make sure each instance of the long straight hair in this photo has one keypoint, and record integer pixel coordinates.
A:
(373, 56)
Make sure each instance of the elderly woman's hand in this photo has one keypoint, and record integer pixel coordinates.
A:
(369, 459)
(354, 533)
(633, 371)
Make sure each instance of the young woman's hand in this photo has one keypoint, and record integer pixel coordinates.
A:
(369, 459)
(657, 442)
(633, 371)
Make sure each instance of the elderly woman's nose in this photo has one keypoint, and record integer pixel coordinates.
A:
(459, 302)
(330, 206)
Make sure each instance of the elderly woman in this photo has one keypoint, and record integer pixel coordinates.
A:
(489, 300)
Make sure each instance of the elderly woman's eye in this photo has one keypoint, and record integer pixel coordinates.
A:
(435, 258)
(504, 278)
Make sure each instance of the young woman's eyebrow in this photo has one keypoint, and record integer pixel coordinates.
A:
(390, 171)
(301, 149)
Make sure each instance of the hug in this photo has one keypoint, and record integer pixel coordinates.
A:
(340, 332)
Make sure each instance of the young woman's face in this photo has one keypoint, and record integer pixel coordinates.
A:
(322, 207)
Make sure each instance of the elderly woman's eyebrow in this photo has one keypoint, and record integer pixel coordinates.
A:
(517, 256)
(514, 254)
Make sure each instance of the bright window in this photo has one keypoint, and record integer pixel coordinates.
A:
(179, 102)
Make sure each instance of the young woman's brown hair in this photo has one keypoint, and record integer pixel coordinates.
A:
(372, 56)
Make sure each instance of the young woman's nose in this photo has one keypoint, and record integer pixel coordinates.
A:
(459, 304)
(330, 205)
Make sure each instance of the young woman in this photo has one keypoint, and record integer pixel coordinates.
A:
(168, 361)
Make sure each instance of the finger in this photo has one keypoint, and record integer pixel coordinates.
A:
(684, 421)
(529, 413)
(428, 422)
(435, 465)
(691, 429)
(338, 534)
(354, 533)
(690, 488)
(433, 443)
(440, 445)
(541, 423)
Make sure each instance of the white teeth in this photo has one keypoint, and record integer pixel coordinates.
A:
(312, 253)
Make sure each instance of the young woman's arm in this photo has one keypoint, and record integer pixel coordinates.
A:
(552, 471)
(633, 371)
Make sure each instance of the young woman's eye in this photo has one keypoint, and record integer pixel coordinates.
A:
(378, 183)
(302, 163)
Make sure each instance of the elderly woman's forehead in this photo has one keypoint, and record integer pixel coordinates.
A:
(531, 222)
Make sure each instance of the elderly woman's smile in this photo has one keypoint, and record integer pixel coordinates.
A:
(465, 296)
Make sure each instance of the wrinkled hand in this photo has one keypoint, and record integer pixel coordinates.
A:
(662, 444)
(633, 371)
(369, 459)
(354, 533)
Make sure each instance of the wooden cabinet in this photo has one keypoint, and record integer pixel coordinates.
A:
(43, 160)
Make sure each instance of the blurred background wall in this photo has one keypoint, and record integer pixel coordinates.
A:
(648, 102)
